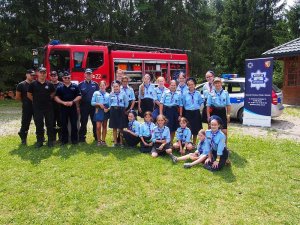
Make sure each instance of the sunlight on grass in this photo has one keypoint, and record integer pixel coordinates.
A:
(292, 111)
(86, 185)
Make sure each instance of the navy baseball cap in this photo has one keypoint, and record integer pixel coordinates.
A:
(88, 70)
(66, 73)
(42, 69)
(30, 71)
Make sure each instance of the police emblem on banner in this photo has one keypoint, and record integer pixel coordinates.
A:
(258, 80)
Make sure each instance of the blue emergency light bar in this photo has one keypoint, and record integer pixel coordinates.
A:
(54, 42)
(229, 75)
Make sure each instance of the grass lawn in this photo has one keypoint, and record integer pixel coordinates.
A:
(90, 185)
(292, 111)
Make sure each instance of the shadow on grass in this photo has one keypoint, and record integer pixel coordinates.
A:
(35, 156)
(226, 174)
(237, 160)
(29, 153)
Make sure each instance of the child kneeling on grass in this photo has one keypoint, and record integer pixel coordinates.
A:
(146, 131)
(199, 156)
(161, 137)
(131, 133)
(218, 153)
(183, 135)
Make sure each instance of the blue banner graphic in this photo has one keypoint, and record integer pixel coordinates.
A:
(258, 92)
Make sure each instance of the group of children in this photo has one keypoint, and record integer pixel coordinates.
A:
(167, 107)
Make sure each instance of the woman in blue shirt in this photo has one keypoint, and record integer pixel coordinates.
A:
(170, 104)
(131, 134)
(100, 100)
(218, 153)
(191, 102)
(147, 96)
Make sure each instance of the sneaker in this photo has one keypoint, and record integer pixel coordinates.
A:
(103, 143)
(121, 145)
(187, 165)
(38, 144)
(174, 158)
(208, 167)
(115, 145)
(99, 143)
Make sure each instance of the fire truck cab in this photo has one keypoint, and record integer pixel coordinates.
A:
(105, 58)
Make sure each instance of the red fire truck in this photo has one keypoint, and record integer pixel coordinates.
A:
(105, 58)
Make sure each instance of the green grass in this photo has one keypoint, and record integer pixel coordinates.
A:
(292, 111)
(90, 185)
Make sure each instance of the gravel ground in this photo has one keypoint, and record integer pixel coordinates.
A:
(283, 127)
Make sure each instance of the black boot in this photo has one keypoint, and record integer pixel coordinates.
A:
(23, 137)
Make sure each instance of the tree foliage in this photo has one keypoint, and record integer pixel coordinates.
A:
(221, 34)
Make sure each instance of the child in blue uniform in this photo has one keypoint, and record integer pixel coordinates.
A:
(191, 102)
(146, 131)
(118, 102)
(170, 104)
(218, 103)
(183, 135)
(199, 156)
(147, 96)
(160, 89)
(160, 137)
(130, 95)
(218, 153)
(182, 87)
(131, 134)
(208, 88)
(100, 100)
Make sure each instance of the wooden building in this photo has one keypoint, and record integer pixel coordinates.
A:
(289, 53)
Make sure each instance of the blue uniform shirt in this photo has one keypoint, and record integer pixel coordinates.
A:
(218, 99)
(100, 98)
(161, 134)
(192, 101)
(159, 92)
(208, 89)
(216, 141)
(134, 126)
(149, 92)
(183, 134)
(87, 90)
(182, 89)
(118, 99)
(146, 129)
(129, 92)
(203, 147)
(171, 98)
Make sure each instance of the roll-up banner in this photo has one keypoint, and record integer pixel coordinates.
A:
(258, 92)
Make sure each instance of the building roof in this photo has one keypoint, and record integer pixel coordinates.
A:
(291, 48)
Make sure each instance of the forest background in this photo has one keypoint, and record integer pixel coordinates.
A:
(221, 34)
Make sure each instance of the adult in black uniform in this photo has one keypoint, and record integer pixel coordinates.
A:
(68, 96)
(41, 93)
(56, 107)
(27, 110)
(87, 89)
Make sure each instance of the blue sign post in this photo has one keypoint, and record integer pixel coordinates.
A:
(258, 92)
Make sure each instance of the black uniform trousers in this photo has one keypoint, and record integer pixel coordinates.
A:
(57, 120)
(69, 113)
(27, 114)
(39, 116)
(86, 110)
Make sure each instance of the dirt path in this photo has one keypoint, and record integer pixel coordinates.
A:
(283, 127)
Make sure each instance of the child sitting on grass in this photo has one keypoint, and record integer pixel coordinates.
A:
(131, 134)
(146, 131)
(161, 137)
(183, 135)
(199, 156)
